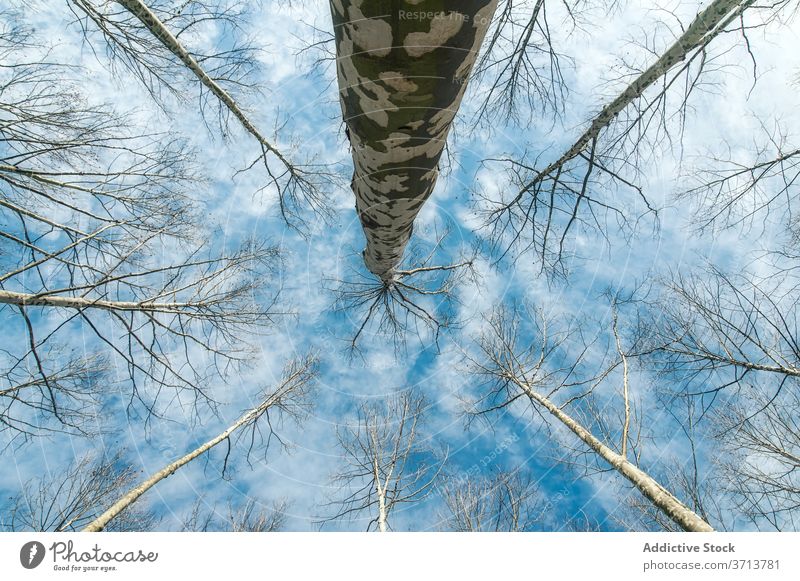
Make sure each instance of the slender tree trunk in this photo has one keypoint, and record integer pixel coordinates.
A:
(147, 17)
(626, 424)
(44, 300)
(402, 70)
(706, 25)
(381, 512)
(652, 490)
(380, 492)
(133, 495)
(729, 360)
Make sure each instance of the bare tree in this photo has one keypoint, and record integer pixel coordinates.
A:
(66, 386)
(576, 188)
(716, 331)
(731, 191)
(289, 399)
(389, 463)
(146, 40)
(506, 502)
(759, 469)
(418, 300)
(536, 373)
(699, 481)
(520, 65)
(142, 49)
(69, 501)
(99, 231)
(248, 517)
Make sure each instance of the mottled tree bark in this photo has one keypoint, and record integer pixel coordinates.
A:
(402, 69)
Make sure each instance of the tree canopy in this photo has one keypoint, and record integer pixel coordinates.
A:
(508, 265)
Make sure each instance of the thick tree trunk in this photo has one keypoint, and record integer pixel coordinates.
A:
(647, 485)
(402, 69)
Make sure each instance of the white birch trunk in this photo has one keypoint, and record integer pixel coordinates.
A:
(295, 381)
(647, 485)
(44, 300)
(147, 17)
(706, 25)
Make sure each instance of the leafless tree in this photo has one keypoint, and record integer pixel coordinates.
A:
(290, 399)
(731, 191)
(148, 39)
(248, 517)
(417, 301)
(397, 115)
(594, 179)
(69, 501)
(717, 331)
(506, 502)
(389, 463)
(133, 41)
(68, 387)
(537, 373)
(99, 234)
(759, 469)
(727, 347)
(521, 65)
(699, 481)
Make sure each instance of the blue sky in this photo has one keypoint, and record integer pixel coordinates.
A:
(303, 100)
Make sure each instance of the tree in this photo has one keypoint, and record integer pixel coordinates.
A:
(547, 203)
(99, 231)
(716, 331)
(760, 436)
(507, 502)
(389, 463)
(515, 372)
(402, 75)
(419, 300)
(698, 481)
(141, 41)
(71, 500)
(247, 517)
(521, 64)
(730, 192)
(729, 343)
(290, 399)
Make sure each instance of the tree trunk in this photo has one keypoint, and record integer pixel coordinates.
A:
(157, 28)
(80, 303)
(402, 70)
(133, 495)
(381, 512)
(652, 490)
(706, 25)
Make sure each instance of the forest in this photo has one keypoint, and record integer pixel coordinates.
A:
(399, 265)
